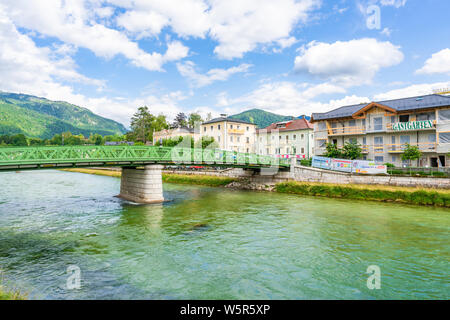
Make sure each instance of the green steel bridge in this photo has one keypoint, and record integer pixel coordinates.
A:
(59, 157)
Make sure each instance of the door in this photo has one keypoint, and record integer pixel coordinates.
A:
(434, 162)
(442, 160)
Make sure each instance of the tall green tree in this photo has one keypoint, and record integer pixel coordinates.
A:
(180, 120)
(333, 151)
(141, 125)
(351, 151)
(411, 153)
(194, 118)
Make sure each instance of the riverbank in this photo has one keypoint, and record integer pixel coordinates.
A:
(380, 193)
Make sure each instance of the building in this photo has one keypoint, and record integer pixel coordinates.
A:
(173, 133)
(292, 138)
(383, 128)
(230, 134)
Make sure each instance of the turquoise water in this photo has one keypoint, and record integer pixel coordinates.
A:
(213, 243)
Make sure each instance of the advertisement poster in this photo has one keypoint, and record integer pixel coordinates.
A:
(368, 167)
(321, 162)
(341, 165)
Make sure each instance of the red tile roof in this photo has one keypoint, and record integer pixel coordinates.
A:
(291, 125)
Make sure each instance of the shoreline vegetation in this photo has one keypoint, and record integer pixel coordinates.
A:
(6, 294)
(380, 193)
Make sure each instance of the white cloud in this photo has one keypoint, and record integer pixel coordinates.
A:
(187, 69)
(286, 98)
(238, 26)
(412, 91)
(347, 63)
(394, 3)
(74, 22)
(438, 63)
(386, 31)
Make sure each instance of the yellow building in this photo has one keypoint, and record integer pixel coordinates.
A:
(230, 134)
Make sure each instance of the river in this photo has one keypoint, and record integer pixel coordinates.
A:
(213, 243)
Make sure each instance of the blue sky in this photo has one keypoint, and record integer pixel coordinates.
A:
(289, 57)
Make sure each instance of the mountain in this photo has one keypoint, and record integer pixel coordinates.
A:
(41, 118)
(260, 117)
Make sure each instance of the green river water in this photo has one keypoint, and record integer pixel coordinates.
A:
(213, 243)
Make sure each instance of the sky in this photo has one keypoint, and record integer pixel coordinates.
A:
(290, 57)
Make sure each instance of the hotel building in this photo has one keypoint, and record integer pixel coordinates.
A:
(230, 134)
(286, 139)
(383, 128)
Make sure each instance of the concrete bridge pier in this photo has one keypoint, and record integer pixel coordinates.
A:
(142, 185)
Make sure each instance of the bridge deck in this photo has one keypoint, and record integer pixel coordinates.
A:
(52, 157)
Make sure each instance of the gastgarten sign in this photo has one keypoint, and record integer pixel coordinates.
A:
(415, 125)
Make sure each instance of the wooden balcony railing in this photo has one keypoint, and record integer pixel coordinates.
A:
(346, 131)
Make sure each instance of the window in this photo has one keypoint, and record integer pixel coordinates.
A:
(238, 127)
(267, 150)
(260, 139)
(303, 150)
(294, 150)
(378, 140)
(212, 128)
(378, 123)
(393, 143)
(334, 141)
(247, 150)
(321, 143)
(379, 159)
(248, 140)
(363, 122)
(392, 119)
(231, 138)
(302, 136)
(321, 126)
(364, 140)
(280, 138)
(426, 116)
(352, 140)
(248, 128)
(204, 129)
(394, 158)
(218, 139)
(432, 137)
(444, 115)
(352, 123)
(273, 137)
(404, 118)
(405, 139)
(218, 127)
(287, 138)
(444, 137)
(287, 150)
(295, 137)
(238, 139)
(231, 126)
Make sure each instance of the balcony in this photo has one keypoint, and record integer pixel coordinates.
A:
(423, 147)
(346, 131)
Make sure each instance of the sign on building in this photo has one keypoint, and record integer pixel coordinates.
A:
(415, 125)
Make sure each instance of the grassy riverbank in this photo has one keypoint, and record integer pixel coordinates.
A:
(432, 197)
(10, 294)
(203, 180)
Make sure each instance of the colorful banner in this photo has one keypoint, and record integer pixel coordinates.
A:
(321, 162)
(341, 165)
(368, 167)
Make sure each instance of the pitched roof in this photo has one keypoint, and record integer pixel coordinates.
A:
(228, 119)
(291, 125)
(404, 104)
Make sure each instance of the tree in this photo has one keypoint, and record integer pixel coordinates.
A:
(180, 120)
(141, 125)
(194, 118)
(352, 150)
(411, 153)
(333, 151)
(207, 142)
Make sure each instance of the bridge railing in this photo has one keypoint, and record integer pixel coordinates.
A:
(164, 155)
